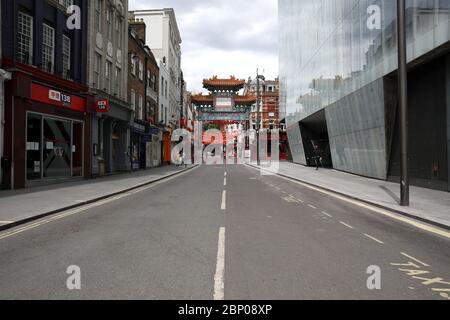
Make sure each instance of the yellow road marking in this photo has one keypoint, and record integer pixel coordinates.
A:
(392, 215)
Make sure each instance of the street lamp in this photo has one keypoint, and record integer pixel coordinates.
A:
(260, 81)
(403, 102)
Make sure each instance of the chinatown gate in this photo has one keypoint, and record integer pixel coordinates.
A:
(223, 108)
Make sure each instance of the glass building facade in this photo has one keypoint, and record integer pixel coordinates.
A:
(338, 62)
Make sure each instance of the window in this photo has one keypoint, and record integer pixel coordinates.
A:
(165, 89)
(141, 71)
(165, 115)
(97, 70)
(153, 82)
(118, 81)
(119, 25)
(48, 48)
(66, 57)
(98, 15)
(149, 110)
(66, 3)
(108, 71)
(149, 76)
(162, 85)
(133, 100)
(109, 23)
(133, 65)
(140, 115)
(25, 38)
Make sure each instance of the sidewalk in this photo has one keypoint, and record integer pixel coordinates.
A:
(428, 205)
(21, 206)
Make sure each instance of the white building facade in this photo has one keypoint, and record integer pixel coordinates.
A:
(108, 63)
(163, 38)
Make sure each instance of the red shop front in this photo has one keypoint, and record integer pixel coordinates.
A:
(48, 131)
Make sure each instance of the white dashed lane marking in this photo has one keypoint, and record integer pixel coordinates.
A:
(327, 214)
(347, 225)
(219, 278)
(224, 200)
(373, 238)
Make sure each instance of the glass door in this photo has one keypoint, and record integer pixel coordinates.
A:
(77, 150)
(57, 156)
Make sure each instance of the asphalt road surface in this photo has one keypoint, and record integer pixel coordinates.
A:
(225, 232)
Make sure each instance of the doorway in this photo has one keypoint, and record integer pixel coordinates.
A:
(315, 138)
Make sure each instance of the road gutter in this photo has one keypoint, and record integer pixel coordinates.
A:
(87, 202)
(402, 213)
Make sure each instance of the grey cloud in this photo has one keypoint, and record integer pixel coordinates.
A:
(249, 28)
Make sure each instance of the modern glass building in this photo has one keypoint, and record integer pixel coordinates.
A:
(338, 83)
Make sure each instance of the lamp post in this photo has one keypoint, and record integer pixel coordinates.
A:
(259, 78)
(403, 102)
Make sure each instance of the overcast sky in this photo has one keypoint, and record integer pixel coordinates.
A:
(223, 37)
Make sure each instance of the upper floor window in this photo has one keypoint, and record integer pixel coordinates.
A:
(66, 3)
(133, 100)
(97, 70)
(119, 25)
(133, 66)
(109, 23)
(66, 56)
(98, 15)
(118, 81)
(165, 89)
(153, 82)
(108, 74)
(141, 71)
(25, 38)
(140, 110)
(48, 48)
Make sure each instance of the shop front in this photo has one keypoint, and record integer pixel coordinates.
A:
(167, 147)
(153, 147)
(111, 136)
(145, 146)
(140, 137)
(46, 127)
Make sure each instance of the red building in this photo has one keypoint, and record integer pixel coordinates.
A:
(270, 106)
(48, 127)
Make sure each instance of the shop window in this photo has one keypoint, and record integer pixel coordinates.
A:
(54, 148)
(34, 143)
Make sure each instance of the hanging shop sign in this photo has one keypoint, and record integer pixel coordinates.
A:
(102, 106)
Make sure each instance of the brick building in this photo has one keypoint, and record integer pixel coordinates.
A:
(143, 92)
(270, 107)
